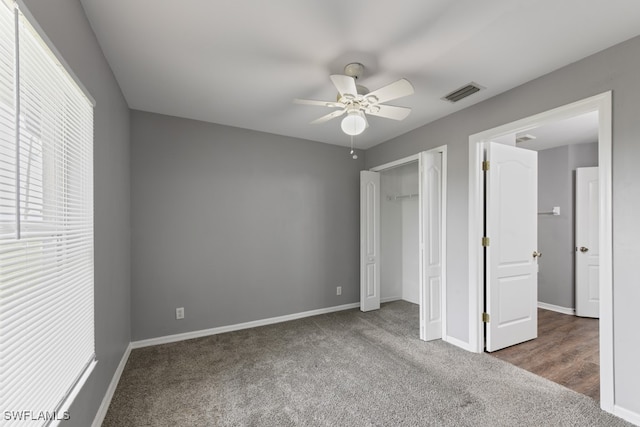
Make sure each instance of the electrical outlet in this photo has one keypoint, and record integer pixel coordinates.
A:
(339, 290)
(180, 313)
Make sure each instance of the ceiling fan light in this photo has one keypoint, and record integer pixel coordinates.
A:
(354, 123)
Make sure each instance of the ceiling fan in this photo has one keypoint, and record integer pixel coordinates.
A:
(357, 102)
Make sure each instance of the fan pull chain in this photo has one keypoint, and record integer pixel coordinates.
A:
(353, 154)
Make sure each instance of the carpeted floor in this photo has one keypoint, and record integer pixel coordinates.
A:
(342, 369)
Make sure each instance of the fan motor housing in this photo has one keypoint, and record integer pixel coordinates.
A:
(354, 69)
(362, 90)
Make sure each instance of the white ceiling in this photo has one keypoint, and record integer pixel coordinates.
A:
(575, 130)
(241, 62)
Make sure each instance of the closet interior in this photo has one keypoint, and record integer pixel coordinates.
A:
(399, 233)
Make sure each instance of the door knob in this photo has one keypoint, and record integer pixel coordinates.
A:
(537, 254)
(583, 249)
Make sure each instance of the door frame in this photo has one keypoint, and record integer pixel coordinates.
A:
(602, 104)
(424, 313)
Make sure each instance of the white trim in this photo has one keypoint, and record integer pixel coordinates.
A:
(74, 392)
(106, 400)
(476, 221)
(557, 308)
(627, 415)
(605, 168)
(458, 343)
(239, 326)
(602, 104)
(443, 238)
(389, 299)
(399, 162)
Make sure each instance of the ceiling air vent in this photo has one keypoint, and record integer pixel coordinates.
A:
(524, 138)
(463, 92)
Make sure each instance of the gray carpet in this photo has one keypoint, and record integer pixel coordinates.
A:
(341, 369)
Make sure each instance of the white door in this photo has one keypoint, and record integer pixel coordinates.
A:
(431, 246)
(369, 240)
(587, 243)
(511, 267)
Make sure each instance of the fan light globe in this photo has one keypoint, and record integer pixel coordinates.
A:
(355, 123)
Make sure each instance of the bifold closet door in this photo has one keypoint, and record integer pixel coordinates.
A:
(431, 268)
(369, 240)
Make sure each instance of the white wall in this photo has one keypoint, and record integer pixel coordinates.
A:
(390, 237)
(410, 236)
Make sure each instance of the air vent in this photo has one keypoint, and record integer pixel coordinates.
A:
(524, 138)
(463, 92)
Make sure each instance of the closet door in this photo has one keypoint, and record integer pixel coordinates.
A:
(431, 270)
(369, 240)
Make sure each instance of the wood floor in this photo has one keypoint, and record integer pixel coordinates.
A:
(566, 352)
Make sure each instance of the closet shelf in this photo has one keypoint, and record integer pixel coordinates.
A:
(402, 197)
(555, 211)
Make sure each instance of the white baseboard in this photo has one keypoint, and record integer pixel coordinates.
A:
(557, 308)
(389, 299)
(627, 415)
(458, 343)
(106, 400)
(230, 328)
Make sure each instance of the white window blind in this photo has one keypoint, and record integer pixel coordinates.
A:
(46, 229)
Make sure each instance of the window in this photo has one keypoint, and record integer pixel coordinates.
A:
(46, 228)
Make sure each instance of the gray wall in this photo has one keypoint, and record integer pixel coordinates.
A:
(556, 234)
(236, 225)
(580, 156)
(317, 209)
(65, 24)
(555, 277)
(615, 69)
(583, 156)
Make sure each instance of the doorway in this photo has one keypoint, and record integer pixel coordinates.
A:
(399, 243)
(565, 348)
(403, 217)
(602, 105)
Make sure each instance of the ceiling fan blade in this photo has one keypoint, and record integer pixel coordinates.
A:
(346, 85)
(329, 116)
(329, 104)
(392, 91)
(390, 112)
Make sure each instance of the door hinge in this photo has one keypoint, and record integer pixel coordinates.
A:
(485, 317)
(485, 165)
(485, 241)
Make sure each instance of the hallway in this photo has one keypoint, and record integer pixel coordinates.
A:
(566, 352)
